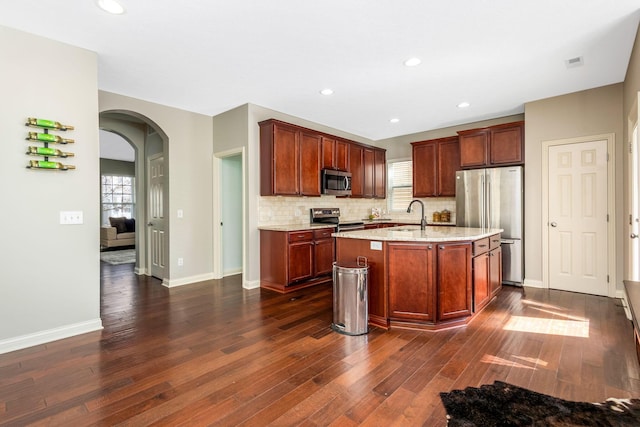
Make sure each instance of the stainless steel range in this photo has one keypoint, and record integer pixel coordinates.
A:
(332, 216)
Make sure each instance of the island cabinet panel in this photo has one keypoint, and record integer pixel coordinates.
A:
(481, 282)
(495, 270)
(454, 275)
(300, 261)
(347, 252)
(411, 281)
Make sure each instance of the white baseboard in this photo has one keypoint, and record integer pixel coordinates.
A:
(172, 283)
(251, 284)
(620, 293)
(141, 271)
(42, 337)
(232, 272)
(534, 284)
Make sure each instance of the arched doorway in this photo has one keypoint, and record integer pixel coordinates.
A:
(150, 146)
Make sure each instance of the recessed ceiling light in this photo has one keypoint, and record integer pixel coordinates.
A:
(327, 91)
(412, 62)
(463, 105)
(394, 120)
(111, 6)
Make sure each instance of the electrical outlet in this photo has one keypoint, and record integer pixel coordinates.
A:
(180, 262)
(71, 217)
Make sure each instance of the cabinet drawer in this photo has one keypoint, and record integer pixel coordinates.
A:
(480, 246)
(325, 233)
(494, 241)
(300, 236)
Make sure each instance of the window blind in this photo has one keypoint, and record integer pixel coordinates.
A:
(400, 178)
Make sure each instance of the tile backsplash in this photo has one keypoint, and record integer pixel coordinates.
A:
(278, 210)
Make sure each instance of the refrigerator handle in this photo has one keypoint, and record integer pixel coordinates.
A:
(488, 223)
(483, 207)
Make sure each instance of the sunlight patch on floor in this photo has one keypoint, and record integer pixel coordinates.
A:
(537, 325)
(495, 360)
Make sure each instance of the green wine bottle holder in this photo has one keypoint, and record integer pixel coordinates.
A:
(46, 138)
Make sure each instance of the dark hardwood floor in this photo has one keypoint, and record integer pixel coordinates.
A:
(215, 354)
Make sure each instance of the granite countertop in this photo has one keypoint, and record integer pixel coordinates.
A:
(412, 233)
(295, 227)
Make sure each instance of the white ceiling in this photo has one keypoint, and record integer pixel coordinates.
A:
(209, 56)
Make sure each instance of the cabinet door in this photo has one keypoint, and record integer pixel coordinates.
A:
(342, 155)
(380, 174)
(495, 271)
(481, 286)
(506, 144)
(473, 148)
(286, 169)
(411, 280)
(454, 280)
(424, 170)
(310, 164)
(448, 165)
(357, 170)
(328, 153)
(368, 165)
(300, 265)
(324, 255)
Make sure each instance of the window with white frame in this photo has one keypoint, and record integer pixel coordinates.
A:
(400, 184)
(118, 197)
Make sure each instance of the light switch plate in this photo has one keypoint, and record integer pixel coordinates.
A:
(71, 217)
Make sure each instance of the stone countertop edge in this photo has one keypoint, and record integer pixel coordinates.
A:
(414, 234)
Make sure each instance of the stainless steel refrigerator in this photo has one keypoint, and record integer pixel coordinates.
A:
(493, 198)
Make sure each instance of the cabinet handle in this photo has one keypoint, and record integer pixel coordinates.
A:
(441, 248)
(482, 246)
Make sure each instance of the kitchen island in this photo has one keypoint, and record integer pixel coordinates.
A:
(429, 279)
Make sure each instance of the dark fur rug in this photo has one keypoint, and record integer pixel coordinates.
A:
(502, 404)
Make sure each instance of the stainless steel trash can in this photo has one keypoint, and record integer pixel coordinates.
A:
(350, 301)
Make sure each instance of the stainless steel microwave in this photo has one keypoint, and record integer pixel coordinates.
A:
(336, 182)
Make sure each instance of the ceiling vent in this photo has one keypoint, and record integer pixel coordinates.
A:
(578, 61)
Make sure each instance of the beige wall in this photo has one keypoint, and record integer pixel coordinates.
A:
(591, 112)
(49, 273)
(188, 158)
(400, 146)
(630, 118)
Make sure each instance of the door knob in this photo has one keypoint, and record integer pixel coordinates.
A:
(554, 224)
(149, 224)
(634, 236)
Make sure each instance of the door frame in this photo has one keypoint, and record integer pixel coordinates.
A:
(611, 198)
(218, 272)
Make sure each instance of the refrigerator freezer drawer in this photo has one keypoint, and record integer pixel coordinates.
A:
(512, 261)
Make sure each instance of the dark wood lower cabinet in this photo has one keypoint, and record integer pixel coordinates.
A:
(294, 260)
(495, 271)
(481, 283)
(412, 277)
(454, 280)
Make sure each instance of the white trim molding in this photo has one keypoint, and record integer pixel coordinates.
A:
(534, 284)
(251, 284)
(43, 337)
(172, 283)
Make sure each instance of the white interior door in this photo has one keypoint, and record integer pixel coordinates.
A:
(634, 204)
(577, 229)
(156, 221)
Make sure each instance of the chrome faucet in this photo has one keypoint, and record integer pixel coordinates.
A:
(423, 220)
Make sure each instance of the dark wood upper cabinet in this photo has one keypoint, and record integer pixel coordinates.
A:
(435, 163)
(335, 154)
(379, 174)
(292, 158)
(492, 146)
(310, 144)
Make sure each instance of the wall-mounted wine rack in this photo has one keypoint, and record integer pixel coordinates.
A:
(47, 138)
